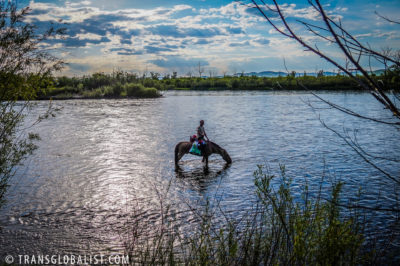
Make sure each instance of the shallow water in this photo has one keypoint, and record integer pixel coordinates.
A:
(100, 161)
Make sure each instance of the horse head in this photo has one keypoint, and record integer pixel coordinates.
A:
(215, 148)
(226, 156)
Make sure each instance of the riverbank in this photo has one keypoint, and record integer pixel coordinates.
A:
(125, 85)
(111, 91)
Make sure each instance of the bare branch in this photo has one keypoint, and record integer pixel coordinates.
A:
(387, 19)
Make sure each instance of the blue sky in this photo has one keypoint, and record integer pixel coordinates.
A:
(177, 35)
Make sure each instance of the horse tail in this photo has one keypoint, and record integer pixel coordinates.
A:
(176, 153)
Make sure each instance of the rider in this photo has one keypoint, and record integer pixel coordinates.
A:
(201, 133)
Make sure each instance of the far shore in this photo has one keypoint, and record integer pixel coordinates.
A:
(124, 85)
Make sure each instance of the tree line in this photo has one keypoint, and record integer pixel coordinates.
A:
(126, 84)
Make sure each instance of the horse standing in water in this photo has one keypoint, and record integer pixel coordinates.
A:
(184, 147)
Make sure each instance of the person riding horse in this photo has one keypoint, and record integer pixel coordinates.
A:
(206, 149)
(201, 134)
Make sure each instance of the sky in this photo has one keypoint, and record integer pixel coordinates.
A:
(223, 37)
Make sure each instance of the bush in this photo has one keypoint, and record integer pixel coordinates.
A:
(117, 89)
(281, 230)
(133, 88)
(25, 73)
(149, 93)
(138, 90)
(312, 231)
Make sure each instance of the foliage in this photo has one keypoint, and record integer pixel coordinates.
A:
(358, 58)
(282, 229)
(100, 84)
(25, 72)
(315, 232)
(329, 29)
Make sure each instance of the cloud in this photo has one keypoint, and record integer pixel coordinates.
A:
(86, 25)
(178, 62)
(79, 67)
(307, 13)
(234, 30)
(173, 30)
(262, 41)
(291, 11)
(166, 30)
(182, 35)
(156, 49)
(362, 35)
(77, 42)
(82, 3)
(202, 41)
(88, 36)
(389, 35)
(125, 51)
(239, 44)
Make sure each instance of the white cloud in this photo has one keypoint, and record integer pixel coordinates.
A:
(231, 34)
(89, 36)
(306, 13)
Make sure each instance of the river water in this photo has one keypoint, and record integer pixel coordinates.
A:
(100, 161)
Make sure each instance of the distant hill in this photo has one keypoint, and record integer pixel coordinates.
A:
(272, 74)
(265, 74)
(378, 72)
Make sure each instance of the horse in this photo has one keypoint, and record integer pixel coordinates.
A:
(183, 148)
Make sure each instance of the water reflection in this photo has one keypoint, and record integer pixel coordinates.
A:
(198, 176)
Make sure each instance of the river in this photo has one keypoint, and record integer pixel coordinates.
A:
(99, 161)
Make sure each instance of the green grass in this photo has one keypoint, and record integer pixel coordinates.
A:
(138, 90)
(117, 90)
(124, 84)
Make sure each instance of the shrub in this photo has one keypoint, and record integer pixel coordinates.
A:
(133, 88)
(282, 229)
(25, 73)
(117, 89)
(138, 90)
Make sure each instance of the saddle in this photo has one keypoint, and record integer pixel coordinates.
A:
(197, 146)
(195, 149)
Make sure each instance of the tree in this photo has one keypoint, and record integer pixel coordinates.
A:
(189, 73)
(154, 75)
(200, 69)
(385, 89)
(25, 70)
(333, 32)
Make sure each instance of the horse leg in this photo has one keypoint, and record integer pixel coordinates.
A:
(177, 154)
(178, 157)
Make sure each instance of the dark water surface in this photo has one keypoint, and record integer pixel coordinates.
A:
(100, 159)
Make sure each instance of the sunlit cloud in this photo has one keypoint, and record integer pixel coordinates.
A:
(220, 36)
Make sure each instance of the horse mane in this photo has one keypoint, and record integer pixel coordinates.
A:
(216, 145)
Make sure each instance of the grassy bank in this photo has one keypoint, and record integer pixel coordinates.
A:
(123, 84)
(281, 229)
(116, 90)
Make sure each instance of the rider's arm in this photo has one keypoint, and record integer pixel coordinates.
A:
(205, 134)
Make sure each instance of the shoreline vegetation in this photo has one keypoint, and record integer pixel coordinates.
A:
(281, 229)
(122, 84)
